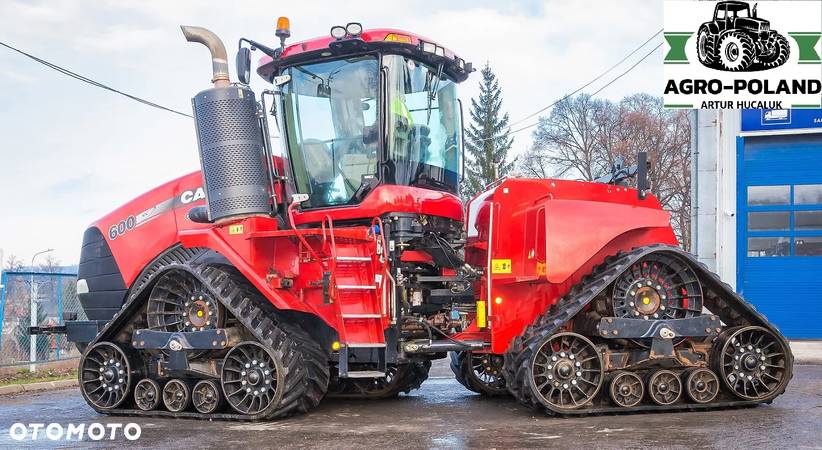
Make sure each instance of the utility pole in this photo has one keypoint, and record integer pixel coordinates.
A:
(33, 310)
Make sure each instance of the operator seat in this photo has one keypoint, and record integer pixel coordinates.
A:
(320, 167)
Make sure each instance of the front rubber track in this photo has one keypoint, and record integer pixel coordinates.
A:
(305, 363)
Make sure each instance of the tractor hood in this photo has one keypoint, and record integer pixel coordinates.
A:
(753, 24)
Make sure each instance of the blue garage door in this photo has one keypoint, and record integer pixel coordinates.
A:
(779, 263)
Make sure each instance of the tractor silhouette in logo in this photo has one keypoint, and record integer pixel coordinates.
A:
(737, 40)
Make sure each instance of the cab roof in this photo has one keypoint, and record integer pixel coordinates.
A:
(733, 5)
(386, 39)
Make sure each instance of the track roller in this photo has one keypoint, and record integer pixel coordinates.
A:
(147, 394)
(206, 396)
(176, 395)
(626, 389)
(105, 375)
(701, 385)
(664, 387)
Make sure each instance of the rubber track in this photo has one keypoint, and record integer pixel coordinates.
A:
(410, 377)
(305, 364)
(719, 298)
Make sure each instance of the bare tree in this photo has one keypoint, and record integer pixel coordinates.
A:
(567, 140)
(13, 263)
(582, 138)
(50, 264)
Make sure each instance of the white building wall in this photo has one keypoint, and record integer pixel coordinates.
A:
(714, 187)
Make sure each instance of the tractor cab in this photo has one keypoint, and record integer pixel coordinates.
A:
(361, 110)
(738, 15)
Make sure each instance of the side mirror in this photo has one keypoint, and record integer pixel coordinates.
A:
(244, 65)
(642, 183)
(754, 10)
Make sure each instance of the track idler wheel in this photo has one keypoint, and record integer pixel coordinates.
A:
(664, 387)
(566, 371)
(147, 394)
(105, 375)
(627, 389)
(250, 378)
(752, 362)
(702, 385)
(176, 395)
(206, 396)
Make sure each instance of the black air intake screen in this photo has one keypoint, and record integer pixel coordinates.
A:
(231, 152)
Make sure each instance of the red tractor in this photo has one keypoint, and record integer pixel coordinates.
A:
(262, 283)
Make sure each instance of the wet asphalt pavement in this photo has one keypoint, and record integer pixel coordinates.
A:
(444, 415)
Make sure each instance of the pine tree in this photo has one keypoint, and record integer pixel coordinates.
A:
(487, 141)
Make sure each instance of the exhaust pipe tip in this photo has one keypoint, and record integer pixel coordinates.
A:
(219, 57)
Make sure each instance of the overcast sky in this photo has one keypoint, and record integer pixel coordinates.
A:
(70, 152)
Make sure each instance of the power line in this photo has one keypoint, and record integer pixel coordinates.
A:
(629, 69)
(77, 76)
(565, 97)
(592, 81)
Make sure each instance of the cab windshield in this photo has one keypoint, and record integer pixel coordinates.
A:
(333, 127)
(332, 116)
(423, 125)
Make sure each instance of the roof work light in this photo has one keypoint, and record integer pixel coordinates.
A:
(338, 32)
(353, 29)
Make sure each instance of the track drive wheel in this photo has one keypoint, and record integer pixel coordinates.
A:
(479, 372)
(753, 362)
(176, 395)
(178, 302)
(105, 375)
(626, 389)
(147, 394)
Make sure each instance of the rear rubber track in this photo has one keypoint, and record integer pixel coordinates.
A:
(719, 298)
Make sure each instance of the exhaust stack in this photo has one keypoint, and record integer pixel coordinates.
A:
(219, 57)
(230, 137)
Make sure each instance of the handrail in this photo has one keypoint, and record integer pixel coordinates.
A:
(384, 309)
(300, 235)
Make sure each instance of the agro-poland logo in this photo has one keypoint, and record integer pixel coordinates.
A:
(738, 41)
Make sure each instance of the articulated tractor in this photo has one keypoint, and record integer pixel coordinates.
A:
(344, 262)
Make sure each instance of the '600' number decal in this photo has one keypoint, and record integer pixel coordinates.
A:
(120, 228)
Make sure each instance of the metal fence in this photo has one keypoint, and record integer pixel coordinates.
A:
(53, 295)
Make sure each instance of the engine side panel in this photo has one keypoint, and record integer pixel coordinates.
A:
(545, 235)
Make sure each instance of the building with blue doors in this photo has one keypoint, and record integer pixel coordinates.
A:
(757, 210)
